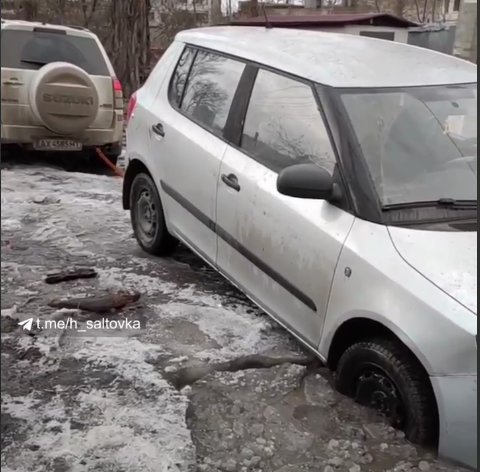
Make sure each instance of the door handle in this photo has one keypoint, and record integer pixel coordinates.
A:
(231, 181)
(158, 129)
(12, 82)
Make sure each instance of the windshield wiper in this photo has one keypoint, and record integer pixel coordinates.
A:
(448, 203)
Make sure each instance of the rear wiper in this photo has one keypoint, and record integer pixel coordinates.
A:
(36, 63)
(448, 203)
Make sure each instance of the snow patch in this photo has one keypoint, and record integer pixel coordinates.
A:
(235, 329)
(11, 224)
(26, 203)
(120, 279)
(139, 429)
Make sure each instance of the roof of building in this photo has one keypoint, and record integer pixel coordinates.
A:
(327, 20)
(333, 59)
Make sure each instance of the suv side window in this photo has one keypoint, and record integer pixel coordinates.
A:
(180, 76)
(284, 126)
(211, 87)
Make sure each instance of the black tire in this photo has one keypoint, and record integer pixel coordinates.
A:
(158, 241)
(113, 152)
(9, 151)
(412, 405)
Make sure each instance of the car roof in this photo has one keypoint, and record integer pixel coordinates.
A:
(333, 59)
(30, 25)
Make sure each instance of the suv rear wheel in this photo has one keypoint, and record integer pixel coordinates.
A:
(148, 218)
(112, 152)
(385, 376)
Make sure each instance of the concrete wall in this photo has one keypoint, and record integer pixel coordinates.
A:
(452, 12)
(466, 38)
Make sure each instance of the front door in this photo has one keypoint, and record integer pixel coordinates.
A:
(282, 251)
(186, 129)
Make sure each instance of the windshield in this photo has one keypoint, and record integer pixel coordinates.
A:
(31, 50)
(420, 144)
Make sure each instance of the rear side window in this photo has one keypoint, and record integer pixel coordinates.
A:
(181, 74)
(31, 50)
(284, 126)
(211, 86)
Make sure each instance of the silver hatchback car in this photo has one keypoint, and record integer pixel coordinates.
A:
(333, 179)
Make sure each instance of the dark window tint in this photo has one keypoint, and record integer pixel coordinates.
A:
(210, 90)
(379, 35)
(33, 50)
(284, 127)
(180, 76)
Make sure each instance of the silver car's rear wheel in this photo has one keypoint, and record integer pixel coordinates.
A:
(148, 218)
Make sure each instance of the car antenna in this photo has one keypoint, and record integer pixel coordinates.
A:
(268, 25)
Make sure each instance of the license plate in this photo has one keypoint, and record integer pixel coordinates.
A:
(57, 145)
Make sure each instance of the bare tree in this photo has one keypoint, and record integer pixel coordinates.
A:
(174, 16)
(130, 44)
(401, 7)
(89, 8)
(421, 9)
(254, 10)
(88, 13)
(426, 10)
(28, 9)
(418, 10)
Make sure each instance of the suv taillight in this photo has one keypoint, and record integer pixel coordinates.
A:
(117, 86)
(118, 92)
(131, 106)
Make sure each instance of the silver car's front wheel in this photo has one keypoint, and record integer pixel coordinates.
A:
(383, 375)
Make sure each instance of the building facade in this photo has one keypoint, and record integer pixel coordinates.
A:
(466, 46)
(432, 11)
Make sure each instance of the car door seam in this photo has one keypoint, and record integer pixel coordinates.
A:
(245, 252)
(333, 280)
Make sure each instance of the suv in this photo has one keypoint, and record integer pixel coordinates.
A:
(59, 90)
(333, 179)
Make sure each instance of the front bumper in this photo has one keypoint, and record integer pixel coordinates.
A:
(457, 402)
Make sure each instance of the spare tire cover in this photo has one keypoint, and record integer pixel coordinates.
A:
(64, 98)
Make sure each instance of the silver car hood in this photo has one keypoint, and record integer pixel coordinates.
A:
(447, 259)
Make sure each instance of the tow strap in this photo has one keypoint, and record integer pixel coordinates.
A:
(107, 161)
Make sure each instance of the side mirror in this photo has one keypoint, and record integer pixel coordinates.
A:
(306, 181)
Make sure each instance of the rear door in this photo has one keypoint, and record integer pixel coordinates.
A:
(187, 127)
(282, 251)
(26, 49)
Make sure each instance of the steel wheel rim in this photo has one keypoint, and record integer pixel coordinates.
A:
(375, 389)
(146, 216)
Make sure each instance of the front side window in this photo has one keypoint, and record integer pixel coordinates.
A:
(420, 144)
(211, 87)
(284, 127)
(31, 50)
